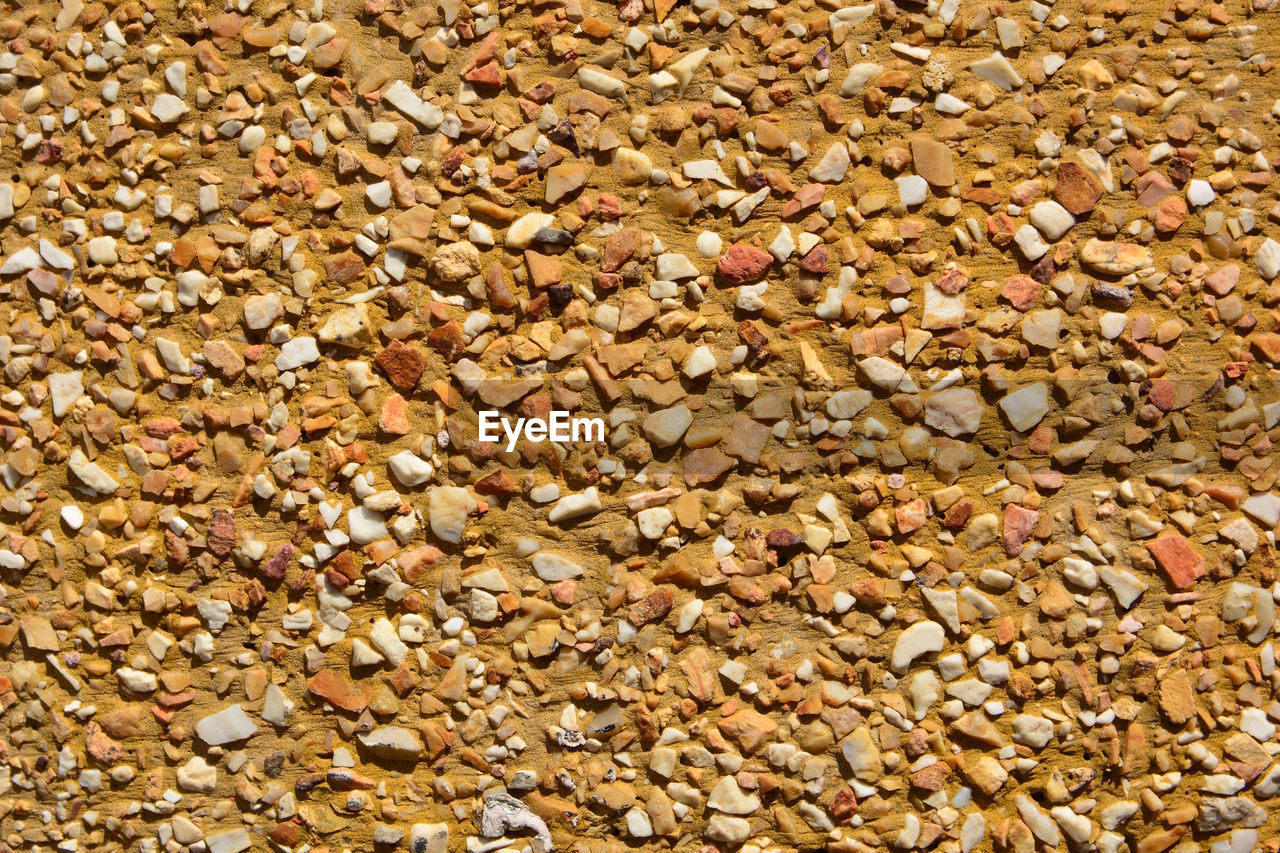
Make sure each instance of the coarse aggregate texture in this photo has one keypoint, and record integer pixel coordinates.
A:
(936, 347)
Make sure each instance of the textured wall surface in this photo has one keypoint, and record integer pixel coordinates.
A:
(935, 347)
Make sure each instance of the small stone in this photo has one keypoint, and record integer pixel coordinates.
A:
(449, 507)
(708, 244)
(954, 412)
(1267, 259)
(834, 165)
(727, 797)
(1077, 190)
(748, 729)
(520, 233)
(502, 813)
(705, 465)
(365, 525)
(844, 405)
(862, 755)
(197, 776)
(344, 268)
(700, 362)
(73, 517)
(90, 474)
(986, 774)
(381, 132)
(1177, 697)
(553, 568)
(102, 250)
(665, 427)
(921, 638)
(1200, 193)
(942, 310)
(1053, 220)
(1265, 508)
(347, 327)
(743, 265)
(931, 778)
(223, 358)
(1112, 258)
(933, 161)
(229, 724)
(297, 352)
(882, 373)
(455, 262)
(231, 841)
(1217, 814)
(652, 608)
(996, 69)
(1037, 821)
(1029, 243)
(673, 266)
(429, 838)
(631, 166)
(333, 689)
(64, 390)
(483, 606)
(1181, 563)
(1223, 280)
(1026, 407)
(638, 823)
(379, 194)
(913, 190)
(410, 469)
(168, 108)
(1042, 328)
(261, 311)
(393, 743)
(38, 634)
(1020, 291)
(576, 506)
(402, 364)
(731, 830)
(563, 180)
(1169, 215)
(404, 99)
(653, 522)
(385, 638)
(387, 836)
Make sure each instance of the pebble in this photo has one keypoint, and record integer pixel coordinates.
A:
(168, 108)
(448, 508)
(225, 726)
(297, 352)
(919, 639)
(1053, 220)
(261, 311)
(408, 102)
(455, 262)
(409, 468)
(1115, 259)
(64, 390)
(913, 190)
(382, 132)
(575, 506)
(667, 426)
(553, 567)
(394, 743)
(379, 194)
(1026, 407)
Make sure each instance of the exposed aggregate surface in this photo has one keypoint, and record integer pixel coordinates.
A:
(937, 347)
